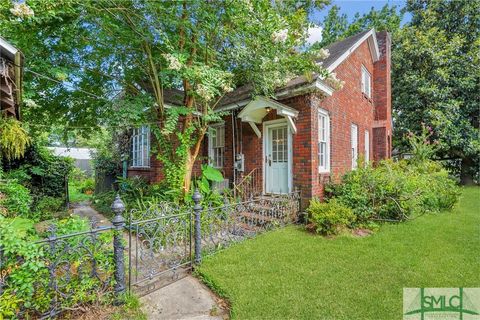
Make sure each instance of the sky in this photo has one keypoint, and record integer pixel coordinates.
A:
(350, 8)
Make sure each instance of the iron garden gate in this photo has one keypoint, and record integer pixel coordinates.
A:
(159, 246)
(166, 240)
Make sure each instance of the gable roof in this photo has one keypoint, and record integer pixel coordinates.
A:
(339, 52)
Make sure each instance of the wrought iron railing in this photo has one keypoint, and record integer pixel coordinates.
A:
(162, 241)
(250, 186)
(222, 225)
(64, 271)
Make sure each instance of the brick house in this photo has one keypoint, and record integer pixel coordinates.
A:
(308, 135)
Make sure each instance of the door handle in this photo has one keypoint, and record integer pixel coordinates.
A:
(270, 160)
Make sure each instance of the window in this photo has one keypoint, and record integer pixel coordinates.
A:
(323, 141)
(279, 145)
(367, 147)
(216, 145)
(366, 82)
(141, 147)
(354, 144)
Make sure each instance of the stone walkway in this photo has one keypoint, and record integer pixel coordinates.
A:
(185, 299)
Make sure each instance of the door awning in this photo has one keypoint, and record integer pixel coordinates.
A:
(257, 109)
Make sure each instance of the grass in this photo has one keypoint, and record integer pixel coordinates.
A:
(291, 274)
(75, 194)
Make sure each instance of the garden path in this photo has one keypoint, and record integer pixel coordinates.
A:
(185, 299)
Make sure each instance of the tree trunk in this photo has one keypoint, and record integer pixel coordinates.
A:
(190, 162)
(187, 177)
(466, 173)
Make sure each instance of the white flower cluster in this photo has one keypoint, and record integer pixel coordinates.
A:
(227, 87)
(173, 62)
(22, 10)
(334, 82)
(30, 103)
(204, 92)
(248, 5)
(280, 36)
(322, 54)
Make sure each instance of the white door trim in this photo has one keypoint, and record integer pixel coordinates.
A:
(266, 126)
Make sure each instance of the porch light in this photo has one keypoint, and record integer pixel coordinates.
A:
(268, 109)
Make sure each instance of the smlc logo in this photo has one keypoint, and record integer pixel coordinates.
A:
(441, 303)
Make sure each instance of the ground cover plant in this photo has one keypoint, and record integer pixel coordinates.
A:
(26, 279)
(292, 274)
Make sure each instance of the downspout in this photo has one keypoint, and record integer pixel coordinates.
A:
(233, 151)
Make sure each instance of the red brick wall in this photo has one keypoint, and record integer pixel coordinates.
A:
(346, 106)
(382, 91)
(154, 173)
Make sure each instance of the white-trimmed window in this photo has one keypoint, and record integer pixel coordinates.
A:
(141, 147)
(366, 82)
(216, 145)
(323, 141)
(354, 144)
(367, 147)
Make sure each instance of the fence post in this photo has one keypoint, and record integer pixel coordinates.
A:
(118, 207)
(197, 209)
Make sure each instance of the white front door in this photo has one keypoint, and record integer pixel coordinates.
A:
(277, 158)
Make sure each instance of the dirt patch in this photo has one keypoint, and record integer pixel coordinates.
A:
(361, 232)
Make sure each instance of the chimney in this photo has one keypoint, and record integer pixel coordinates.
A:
(382, 94)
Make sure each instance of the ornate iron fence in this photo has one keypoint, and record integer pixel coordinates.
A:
(218, 227)
(62, 272)
(160, 243)
(86, 266)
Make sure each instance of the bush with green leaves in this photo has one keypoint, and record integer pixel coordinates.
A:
(15, 199)
(40, 171)
(87, 186)
(329, 218)
(49, 207)
(25, 276)
(396, 191)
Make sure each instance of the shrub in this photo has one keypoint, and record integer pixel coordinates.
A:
(396, 190)
(15, 199)
(103, 201)
(328, 217)
(87, 186)
(25, 277)
(47, 208)
(13, 138)
(40, 171)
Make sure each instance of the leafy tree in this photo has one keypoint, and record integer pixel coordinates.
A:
(132, 51)
(336, 27)
(436, 78)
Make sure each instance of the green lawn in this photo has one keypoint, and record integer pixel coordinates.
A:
(290, 274)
